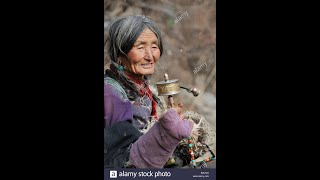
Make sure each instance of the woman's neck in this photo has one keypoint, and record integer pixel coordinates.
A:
(135, 76)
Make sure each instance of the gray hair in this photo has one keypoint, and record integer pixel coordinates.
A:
(125, 31)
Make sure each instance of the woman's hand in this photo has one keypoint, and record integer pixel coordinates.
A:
(177, 107)
(196, 127)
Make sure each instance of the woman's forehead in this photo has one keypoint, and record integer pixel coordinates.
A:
(147, 34)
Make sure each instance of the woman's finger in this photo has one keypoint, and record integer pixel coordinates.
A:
(180, 105)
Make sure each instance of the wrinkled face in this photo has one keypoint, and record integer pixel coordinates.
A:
(143, 55)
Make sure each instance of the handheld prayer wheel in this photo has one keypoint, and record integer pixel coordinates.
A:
(170, 87)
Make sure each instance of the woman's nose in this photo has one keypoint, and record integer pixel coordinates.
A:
(148, 54)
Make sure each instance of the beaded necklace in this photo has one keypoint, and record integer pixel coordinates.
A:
(189, 151)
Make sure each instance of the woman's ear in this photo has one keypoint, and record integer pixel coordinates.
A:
(121, 60)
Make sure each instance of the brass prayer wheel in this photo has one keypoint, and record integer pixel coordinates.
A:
(168, 87)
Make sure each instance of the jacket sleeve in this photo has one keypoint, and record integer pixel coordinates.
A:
(119, 133)
(116, 108)
(153, 149)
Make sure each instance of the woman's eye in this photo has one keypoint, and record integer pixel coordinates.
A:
(140, 47)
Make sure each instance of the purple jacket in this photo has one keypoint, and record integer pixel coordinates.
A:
(116, 108)
(159, 139)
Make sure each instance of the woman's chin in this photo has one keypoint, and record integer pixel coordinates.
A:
(147, 72)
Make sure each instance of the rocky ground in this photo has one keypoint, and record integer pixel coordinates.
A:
(189, 31)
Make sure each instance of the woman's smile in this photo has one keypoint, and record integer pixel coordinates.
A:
(148, 65)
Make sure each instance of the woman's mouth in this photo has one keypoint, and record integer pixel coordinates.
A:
(146, 65)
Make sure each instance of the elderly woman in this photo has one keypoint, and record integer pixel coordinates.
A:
(134, 135)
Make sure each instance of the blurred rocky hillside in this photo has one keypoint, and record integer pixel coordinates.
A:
(189, 45)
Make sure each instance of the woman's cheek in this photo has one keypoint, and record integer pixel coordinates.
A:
(157, 56)
(135, 56)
